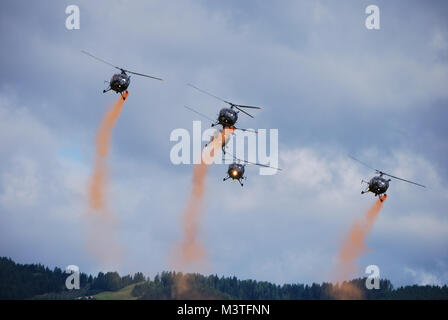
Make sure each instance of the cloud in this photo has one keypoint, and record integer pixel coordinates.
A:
(423, 278)
(299, 216)
(439, 40)
(39, 193)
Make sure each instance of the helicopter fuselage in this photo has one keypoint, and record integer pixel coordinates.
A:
(378, 185)
(119, 82)
(227, 117)
(235, 172)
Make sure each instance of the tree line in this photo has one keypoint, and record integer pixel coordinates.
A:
(172, 285)
(28, 281)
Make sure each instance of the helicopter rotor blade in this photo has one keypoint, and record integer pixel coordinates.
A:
(232, 105)
(142, 75)
(389, 175)
(256, 164)
(246, 130)
(363, 163)
(249, 107)
(209, 94)
(386, 174)
(197, 112)
(208, 118)
(101, 60)
(243, 111)
(121, 69)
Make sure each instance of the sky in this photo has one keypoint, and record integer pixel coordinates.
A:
(328, 84)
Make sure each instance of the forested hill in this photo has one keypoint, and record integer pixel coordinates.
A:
(35, 281)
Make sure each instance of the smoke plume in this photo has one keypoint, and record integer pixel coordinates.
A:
(191, 250)
(352, 248)
(102, 222)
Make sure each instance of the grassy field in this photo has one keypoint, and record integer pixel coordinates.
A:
(123, 294)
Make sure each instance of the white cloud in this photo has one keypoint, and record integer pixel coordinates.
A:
(299, 216)
(20, 184)
(439, 40)
(423, 278)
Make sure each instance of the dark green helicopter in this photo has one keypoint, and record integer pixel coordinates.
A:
(119, 81)
(378, 185)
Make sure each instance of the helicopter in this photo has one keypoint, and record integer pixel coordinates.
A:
(119, 81)
(378, 185)
(227, 117)
(236, 170)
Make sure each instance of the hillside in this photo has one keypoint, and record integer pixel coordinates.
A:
(122, 294)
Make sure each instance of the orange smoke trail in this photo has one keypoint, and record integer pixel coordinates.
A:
(353, 247)
(190, 250)
(102, 227)
(99, 176)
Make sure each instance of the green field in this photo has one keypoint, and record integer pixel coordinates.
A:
(123, 294)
